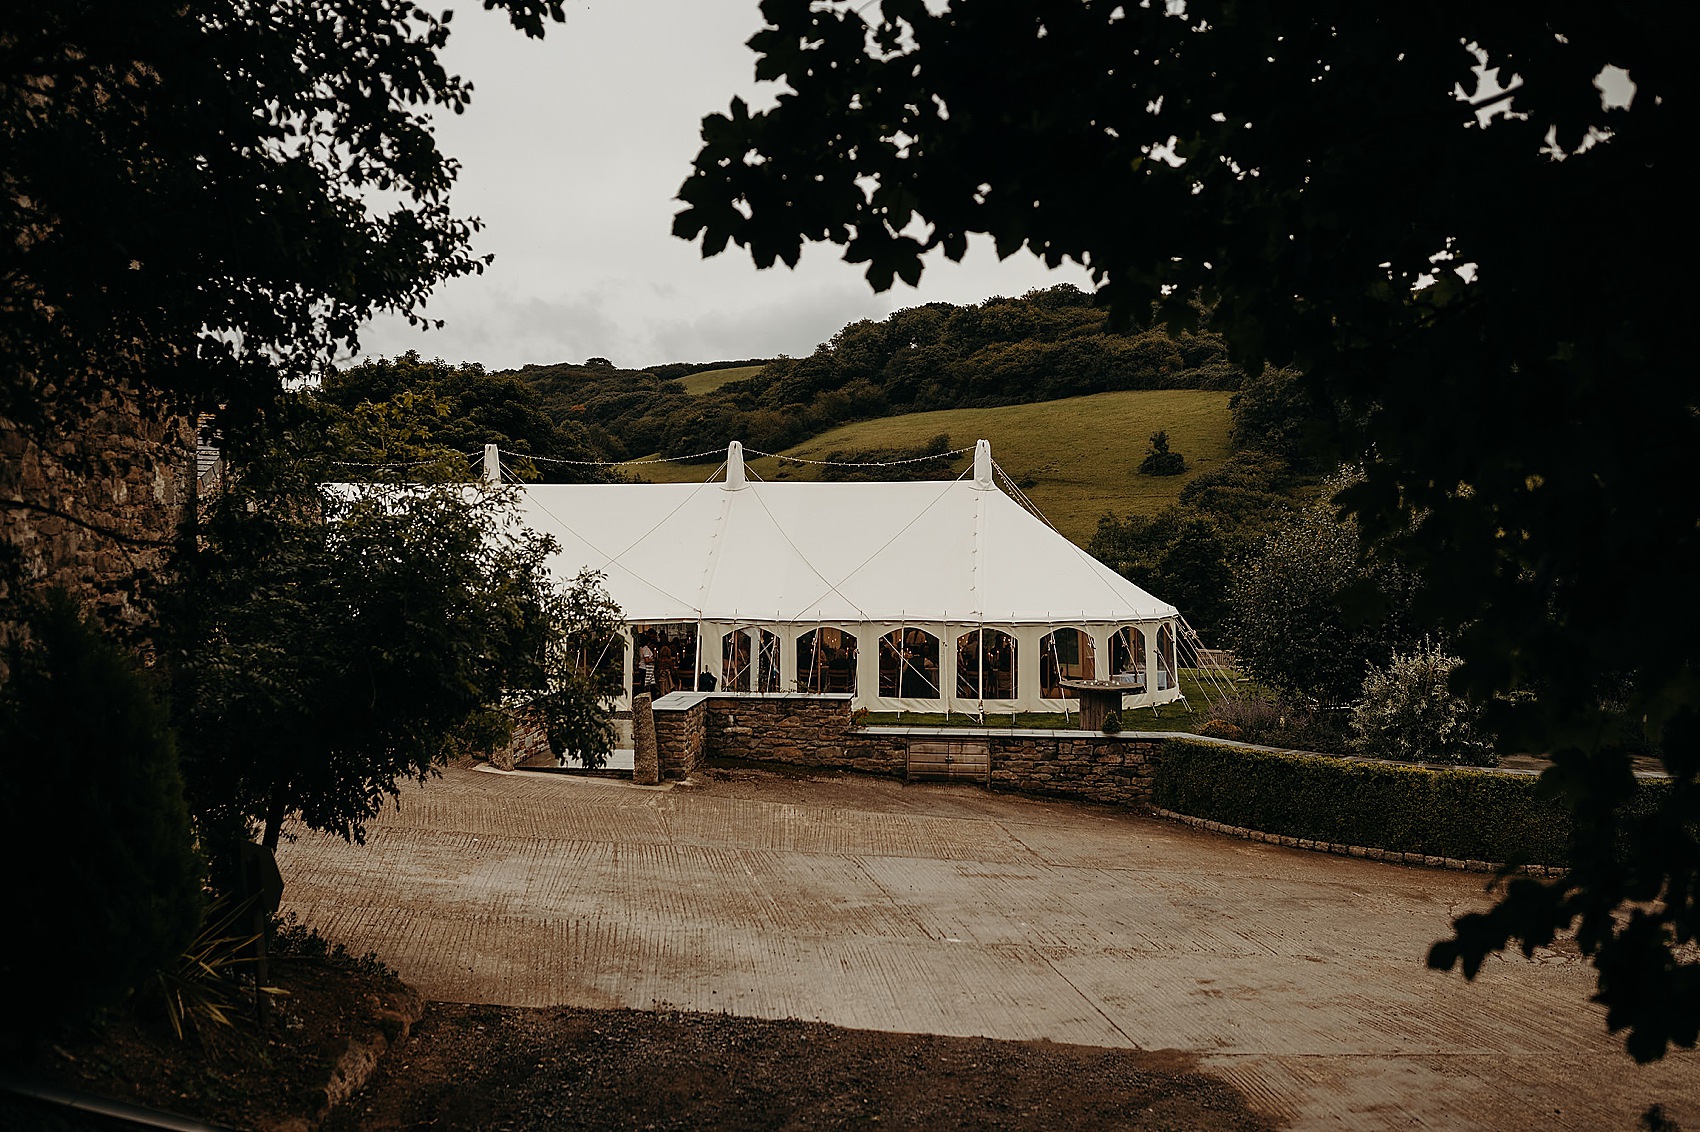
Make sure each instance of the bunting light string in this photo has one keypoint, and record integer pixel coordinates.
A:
(618, 463)
(1021, 496)
(395, 464)
(756, 452)
(856, 463)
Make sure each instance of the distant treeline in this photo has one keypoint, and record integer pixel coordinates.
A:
(671, 371)
(408, 409)
(557, 422)
(1043, 346)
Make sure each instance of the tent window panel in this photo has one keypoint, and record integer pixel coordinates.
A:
(1065, 654)
(909, 665)
(1165, 657)
(987, 651)
(768, 676)
(826, 661)
(666, 657)
(735, 661)
(747, 669)
(1127, 656)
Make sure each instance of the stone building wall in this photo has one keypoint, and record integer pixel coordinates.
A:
(96, 509)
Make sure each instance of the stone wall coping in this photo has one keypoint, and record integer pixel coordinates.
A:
(891, 730)
(680, 701)
(888, 729)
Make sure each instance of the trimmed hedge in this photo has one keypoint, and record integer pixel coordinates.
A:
(1467, 814)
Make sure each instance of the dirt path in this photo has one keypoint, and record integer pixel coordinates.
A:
(1295, 977)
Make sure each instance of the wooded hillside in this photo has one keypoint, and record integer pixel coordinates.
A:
(1043, 346)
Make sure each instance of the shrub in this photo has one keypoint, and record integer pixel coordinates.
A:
(1112, 723)
(105, 886)
(1468, 814)
(1409, 713)
(1159, 461)
(293, 939)
(204, 988)
(1221, 729)
(1275, 723)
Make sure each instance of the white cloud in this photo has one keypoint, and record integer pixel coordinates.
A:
(571, 153)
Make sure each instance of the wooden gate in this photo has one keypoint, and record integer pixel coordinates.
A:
(950, 760)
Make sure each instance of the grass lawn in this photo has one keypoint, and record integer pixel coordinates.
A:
(699, 383)
(1083, 451)
(1182, 715)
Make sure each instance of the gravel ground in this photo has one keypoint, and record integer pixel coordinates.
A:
(515, 1070)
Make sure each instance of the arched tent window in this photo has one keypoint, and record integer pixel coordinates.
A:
(735, 661)
(1165, 656)
(768, 676)
(826, 661)
(1065, 654)
(909, 665)
(666, 657)
(742, 671)
(1127, 656)
(985, 665)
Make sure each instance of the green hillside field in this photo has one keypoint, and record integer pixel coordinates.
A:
(699, 383)
(1082, 451)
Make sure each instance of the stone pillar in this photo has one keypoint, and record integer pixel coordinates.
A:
(646, 756)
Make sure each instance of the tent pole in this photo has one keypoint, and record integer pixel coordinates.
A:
(950, 696)
(815, 680)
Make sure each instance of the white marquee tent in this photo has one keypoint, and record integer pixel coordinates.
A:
(922, 596)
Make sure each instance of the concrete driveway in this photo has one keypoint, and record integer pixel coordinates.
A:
(868, 903)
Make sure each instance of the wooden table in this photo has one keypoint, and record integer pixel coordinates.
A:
(1098, 698)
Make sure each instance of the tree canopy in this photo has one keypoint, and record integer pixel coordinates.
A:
(405, 409)
(328, 643)
(1309, 617)
(191, 191)
(1457, 222)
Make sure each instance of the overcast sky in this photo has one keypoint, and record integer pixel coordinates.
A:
(571, 153)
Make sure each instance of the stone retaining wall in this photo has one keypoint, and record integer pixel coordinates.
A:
(801, 729)
(817, 731)
(1113, 769)
(797, 728)
(528, 744)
